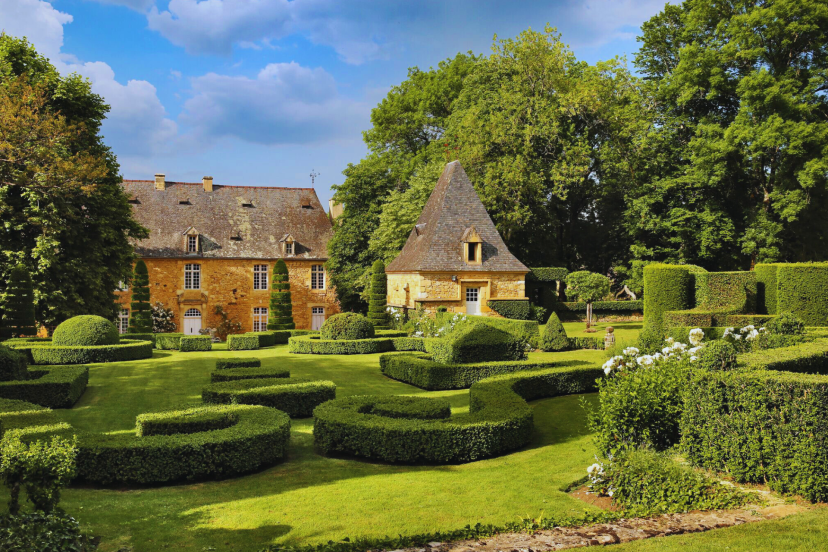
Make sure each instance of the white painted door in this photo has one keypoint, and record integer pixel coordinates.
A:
(317, 317)
(473, 300)
(192, 322)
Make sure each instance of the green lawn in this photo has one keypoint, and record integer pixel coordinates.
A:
(310, 498)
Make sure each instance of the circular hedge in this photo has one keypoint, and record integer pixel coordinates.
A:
(199, 443)
(347, 325)
(295, 396)
(86, 331)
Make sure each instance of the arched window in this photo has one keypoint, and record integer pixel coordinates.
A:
(192, 313)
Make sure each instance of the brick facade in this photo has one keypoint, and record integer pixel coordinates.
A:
(229, 283)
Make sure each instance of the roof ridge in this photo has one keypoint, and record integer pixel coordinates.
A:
(220, 185)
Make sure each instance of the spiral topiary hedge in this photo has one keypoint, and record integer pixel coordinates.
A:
(255, 437)
(499, 421)
(421, 371)
(378, 299)
(295, 396)
(85, 331)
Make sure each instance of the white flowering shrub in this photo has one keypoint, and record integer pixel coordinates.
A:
(396, 318)
(422, 324)
(747, 338)
(162, 319)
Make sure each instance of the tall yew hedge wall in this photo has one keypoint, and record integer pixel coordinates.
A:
(802, 288)
(668, 288)
(766, 287)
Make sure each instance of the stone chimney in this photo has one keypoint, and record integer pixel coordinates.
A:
(207, 181)
(160, 182)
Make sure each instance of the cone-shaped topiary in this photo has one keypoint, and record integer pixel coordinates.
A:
(140, 317)
(86, 330)
(554, 335)
(19, 316)
(376, 303)
(281, 306)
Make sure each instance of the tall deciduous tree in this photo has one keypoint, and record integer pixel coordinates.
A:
(18, 312)
(739, 146)
(140, 316)
(62, 208)
(281, 304)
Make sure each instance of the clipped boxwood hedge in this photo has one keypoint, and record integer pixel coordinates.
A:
(195, 420)
(513, 309)
(46, 353)
(766, 287)
(801, 290)
(168, 341)
(742, 320)
(235, 362)
(234, 374)
(499, 421)
(347, 326)
(421, 371)
(15, 414)
(53, 387)
(279, 337)
(242, 342)
(140, 337)
(257, 439)
(86, 330)
(761, 426)
(295, 396)
(189, 343)
(311, 344)
(546, 274)
(525, 330)
(668, 289)
(12, 364)
(729, 291)
(809, 358)
(601, 306)
(478, 343)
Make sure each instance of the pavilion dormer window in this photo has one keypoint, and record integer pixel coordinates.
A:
(472, 246)
(288, 245)
(192, 244)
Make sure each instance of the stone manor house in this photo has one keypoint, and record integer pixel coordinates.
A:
(454, 256)
(215, 245)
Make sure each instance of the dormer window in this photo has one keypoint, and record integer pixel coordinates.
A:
(184, 202)
(288, 245)
(248, 204)
(472, 246)
(306, 204)
(192, 241)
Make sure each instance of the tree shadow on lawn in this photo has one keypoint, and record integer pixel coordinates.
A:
(234, 539)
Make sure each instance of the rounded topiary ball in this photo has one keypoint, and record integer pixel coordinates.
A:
(86, 331)
(718, 355)
(348, 325)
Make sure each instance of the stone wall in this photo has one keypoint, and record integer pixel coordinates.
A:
(433, 290)
(229, 283)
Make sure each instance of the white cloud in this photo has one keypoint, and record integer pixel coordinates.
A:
(285, 104)
(137, 122)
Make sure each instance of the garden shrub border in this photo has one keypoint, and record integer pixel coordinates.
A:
(192, 343)
(499, 421)
(512, 309)
(241, 342)
(600, 307)
(241, 373)
(15, 414)
(385, 342)
(297, 397)
(49, 354)
(421, 371)
(258, 439)
(237, 362)
(478, 343)
(52, 386)
(168, 341)
(526, 330)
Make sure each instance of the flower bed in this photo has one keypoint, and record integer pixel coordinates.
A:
(499, 421)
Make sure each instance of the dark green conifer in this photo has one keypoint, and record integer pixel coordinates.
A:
(19, 314)
(554, 336)
(281, 306)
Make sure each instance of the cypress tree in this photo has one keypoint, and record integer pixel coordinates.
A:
(19, 315)
(377, 301)
(140, 316)
(281, 306)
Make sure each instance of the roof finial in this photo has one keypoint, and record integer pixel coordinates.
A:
(313, 176)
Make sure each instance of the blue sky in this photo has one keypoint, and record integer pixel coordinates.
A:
(260, 92)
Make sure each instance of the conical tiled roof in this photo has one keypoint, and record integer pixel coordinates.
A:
(435, 242)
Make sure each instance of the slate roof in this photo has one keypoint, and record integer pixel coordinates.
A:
(219, 216)
(435, 242)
